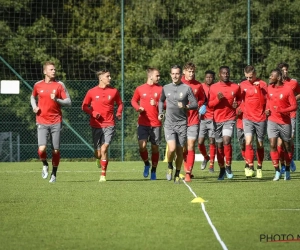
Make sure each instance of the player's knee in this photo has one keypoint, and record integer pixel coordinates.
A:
(42, 148)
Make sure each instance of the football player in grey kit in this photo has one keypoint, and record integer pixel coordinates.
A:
(179, 98)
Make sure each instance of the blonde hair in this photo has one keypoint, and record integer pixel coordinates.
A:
(47, 63)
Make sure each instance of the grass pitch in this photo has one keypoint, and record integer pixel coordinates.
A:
(131, 212)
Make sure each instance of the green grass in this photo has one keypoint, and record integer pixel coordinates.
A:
(130, 212)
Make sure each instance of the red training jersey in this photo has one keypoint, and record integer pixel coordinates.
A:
(209, 115)
(254, 99)
(49, 110)
(280, 101)
(101, 101)
(223, 110)
(141, 98)
(293, 84)
(193, 116)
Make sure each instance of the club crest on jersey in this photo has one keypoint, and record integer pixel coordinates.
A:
(155, 94)
(255, 91)
(232, 93)
(97, 97)
(195, 90)
(180, 95)
(280, 96)
(109, 97)
(144, 94)
(41, 91)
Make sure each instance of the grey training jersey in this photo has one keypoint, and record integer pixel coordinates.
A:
(173, 93)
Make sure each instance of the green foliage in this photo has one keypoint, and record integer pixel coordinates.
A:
(82, 37)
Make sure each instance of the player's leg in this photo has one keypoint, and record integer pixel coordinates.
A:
(55, 131)
(181, 140)
(108, 134)
(97, 134)
(212, 144)
(220, 149)
(192, 135)
(293, 123)
(155, 139)
(273, 134)
(281, 150)
(241, 139)
(227, 134)
(260, 129)
(285, 133)
(170, 138)
(203, 132)
(249, 152)
(143, 135)
(43, 132)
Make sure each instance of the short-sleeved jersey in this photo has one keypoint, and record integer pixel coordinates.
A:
(141, 98)
(173, 93)
(254, 99)
(102, 101)
(282, 99)
(193, 116)
(49, 110)
(294, 85)
(223, 110)
(209, 114)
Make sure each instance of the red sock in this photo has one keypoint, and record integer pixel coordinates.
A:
(144, 155)
(228, 154)
(202, 150)
(42, 155)
(185, 153)
(249, 154)
(55, 158)
(275, 158)
(154, 159)
(190, 160)
(288, 158)
(260, 155)
(280, 153)
(104, 164)
(220, 156)
(212, 152)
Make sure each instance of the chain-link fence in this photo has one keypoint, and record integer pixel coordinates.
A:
(126, 37)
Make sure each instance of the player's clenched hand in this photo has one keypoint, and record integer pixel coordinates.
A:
(140, 110)
(267, 112)
(234, 104)
(220, 95)
(96, 115)
(119, 117)
(180, 105)
(160, 116)
(36, 109)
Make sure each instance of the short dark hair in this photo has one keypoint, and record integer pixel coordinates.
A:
(210, 72)
(224, 67)
(282, 64)
(176, 67)
(279, 73)
(101, 72)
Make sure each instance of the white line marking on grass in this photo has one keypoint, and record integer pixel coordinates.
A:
(208, 218)
(287, 209)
